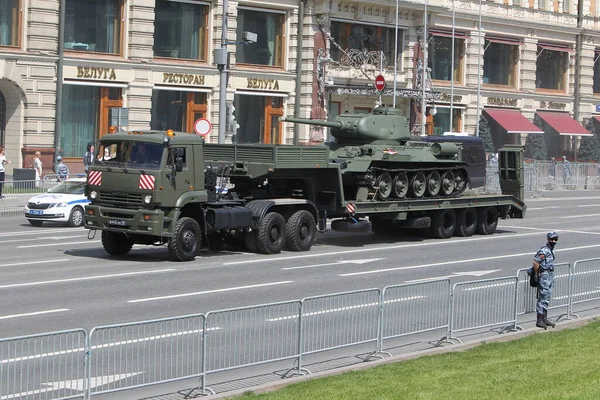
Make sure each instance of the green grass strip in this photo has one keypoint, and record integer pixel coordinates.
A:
(556, 365)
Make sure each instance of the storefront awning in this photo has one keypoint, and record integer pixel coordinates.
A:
(564, 124)
(457, 35)
(512, 121)
(513, 42)
(555, 47)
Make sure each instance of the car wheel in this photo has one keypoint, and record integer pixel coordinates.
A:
(35, 222)
(76, 217)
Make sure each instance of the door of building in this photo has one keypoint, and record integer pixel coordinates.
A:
(2, 118)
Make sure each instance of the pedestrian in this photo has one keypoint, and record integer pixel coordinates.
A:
(88, 157)
(566, 170)
(37, 165)
(3, 162)
(61, 169)
(543, 265)
(553, 172)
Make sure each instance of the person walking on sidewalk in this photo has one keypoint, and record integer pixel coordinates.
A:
(61, 170)
(543, 265)
(3, 162)
(37, 165)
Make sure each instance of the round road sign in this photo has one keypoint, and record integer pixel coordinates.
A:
(380, 83)
(202, 126)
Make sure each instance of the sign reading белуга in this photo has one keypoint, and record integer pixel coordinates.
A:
(97, 73)
(266, 84)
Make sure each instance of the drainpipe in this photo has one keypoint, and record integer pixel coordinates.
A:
(59, 76)
(577, 80)
(299, 41)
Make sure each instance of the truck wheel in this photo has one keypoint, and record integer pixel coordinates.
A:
(184, 245)
(271, 234)
(301, 231)
(443, 223)
(466, 222)
(76, 217)
(116, 243)
(250, 241)
(487, 220)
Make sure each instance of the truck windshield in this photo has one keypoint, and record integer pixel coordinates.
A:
(132, 154)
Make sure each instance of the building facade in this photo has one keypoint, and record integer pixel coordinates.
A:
(151, 61)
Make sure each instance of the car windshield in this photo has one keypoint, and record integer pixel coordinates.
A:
(68, 187)
(124, 153)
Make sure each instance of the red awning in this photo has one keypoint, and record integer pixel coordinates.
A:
(514, 42)
(512, 121)
(564, 124)
(555, 47)
(457, 35)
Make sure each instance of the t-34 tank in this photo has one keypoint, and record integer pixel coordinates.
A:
(380, 158)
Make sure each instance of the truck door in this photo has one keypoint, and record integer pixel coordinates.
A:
(180, 181)
(510, 165)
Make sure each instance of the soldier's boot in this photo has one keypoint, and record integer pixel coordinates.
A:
(540, 322)
(547, 321)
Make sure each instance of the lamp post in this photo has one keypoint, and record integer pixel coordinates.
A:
(452, 71)
(59, 75)
(223, 71)
(478, 75)
(395, 58)
(424, 70)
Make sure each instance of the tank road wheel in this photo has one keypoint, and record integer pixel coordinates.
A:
(487, 220)
(384, 183)
(443, 223)
(116, 243)
(400, 185)
(466, 222)
(448, 183)
(434, 183)
(301, 231)
(460, 182)
(185, 243)
(418, 184)
(271, 234)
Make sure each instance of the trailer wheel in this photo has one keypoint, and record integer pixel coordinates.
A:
(116, 243)
(301, 231)
(466, 222)
(443, 223)
(487, 220)
(250, 241)
(271, 234)
(184, 245)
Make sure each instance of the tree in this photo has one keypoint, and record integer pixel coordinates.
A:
(485, 133)
(535, 146)
(589, 149)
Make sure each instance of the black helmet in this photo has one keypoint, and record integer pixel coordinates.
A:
(552, 235)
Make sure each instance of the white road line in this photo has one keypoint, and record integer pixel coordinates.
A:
(541, 208)
(34, 262)
(85, 278)
(561, 231)
(34, 313)
(48, 238)
(56, 244)
(579, 216)
(377, 271)
(588, 205)
(37, 232)
(174, 296)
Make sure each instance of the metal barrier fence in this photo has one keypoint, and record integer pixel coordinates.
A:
(71, 364)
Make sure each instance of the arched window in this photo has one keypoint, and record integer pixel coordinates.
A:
(2, 118)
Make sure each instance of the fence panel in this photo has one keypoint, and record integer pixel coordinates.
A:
(586, 281)
(251, 335)
(339, 320)
(483, 303)
(144, 353)
(527, 295)
(414, 308)
(45, 366)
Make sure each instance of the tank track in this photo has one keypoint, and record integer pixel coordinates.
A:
(414, 183)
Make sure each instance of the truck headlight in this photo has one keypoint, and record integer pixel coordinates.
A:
(147, 199)
(93, 194)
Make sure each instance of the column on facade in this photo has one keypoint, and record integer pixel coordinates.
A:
(473, 76)
(139, 102)
(141, 30)
(528, 65)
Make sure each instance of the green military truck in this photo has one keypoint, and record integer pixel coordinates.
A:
(165, 187)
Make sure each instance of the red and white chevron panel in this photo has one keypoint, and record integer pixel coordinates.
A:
(350, 207)
(147, 181)
(95, 178)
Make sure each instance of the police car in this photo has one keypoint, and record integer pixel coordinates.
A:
(65, 202)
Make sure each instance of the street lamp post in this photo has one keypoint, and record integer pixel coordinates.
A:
(223, 77)
(478, 75)
(424, 71)
(59, 76)
(395, 58)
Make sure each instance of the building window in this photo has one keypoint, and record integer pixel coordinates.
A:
(172, 109)
(258, 117)
(268, 50)
(10, 22)
(551, 69)
(500, 63)
(567, 6)
(440, 58)
(441, 120)
(361, 38)
(85, 116)
(597, 72)
(94, 26)
(180, 30)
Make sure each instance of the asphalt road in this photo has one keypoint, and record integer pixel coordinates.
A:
(54, 278)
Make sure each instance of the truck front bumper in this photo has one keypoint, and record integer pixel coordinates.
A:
(141, 221)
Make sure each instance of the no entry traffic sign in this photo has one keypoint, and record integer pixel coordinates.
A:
(380, 83)
(202, 126)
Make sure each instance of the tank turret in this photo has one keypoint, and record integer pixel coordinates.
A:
(380, 158)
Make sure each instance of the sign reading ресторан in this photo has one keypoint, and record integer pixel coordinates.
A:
(107, 74)
(265, 84)
(185, 79)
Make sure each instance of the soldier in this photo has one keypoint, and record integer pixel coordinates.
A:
(543, 264)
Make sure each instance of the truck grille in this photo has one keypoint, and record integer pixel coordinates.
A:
(120, 198)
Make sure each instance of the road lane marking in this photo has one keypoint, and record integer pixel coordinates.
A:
(34, 313)
(34, 262)
(580, 216)
(56, 244)
(37, 239)
(85, 278)
(588, 205)
(546, 229)
(339, 262)
(376, 271)
(455, 275)
(38, 231)
(174, 296)
(541, 208)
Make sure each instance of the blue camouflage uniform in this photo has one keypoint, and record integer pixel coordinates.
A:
(545, 257)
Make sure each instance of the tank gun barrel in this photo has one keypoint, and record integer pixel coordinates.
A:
(316, 122)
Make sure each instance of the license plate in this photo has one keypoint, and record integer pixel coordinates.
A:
(117, 222)
(36, 212)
